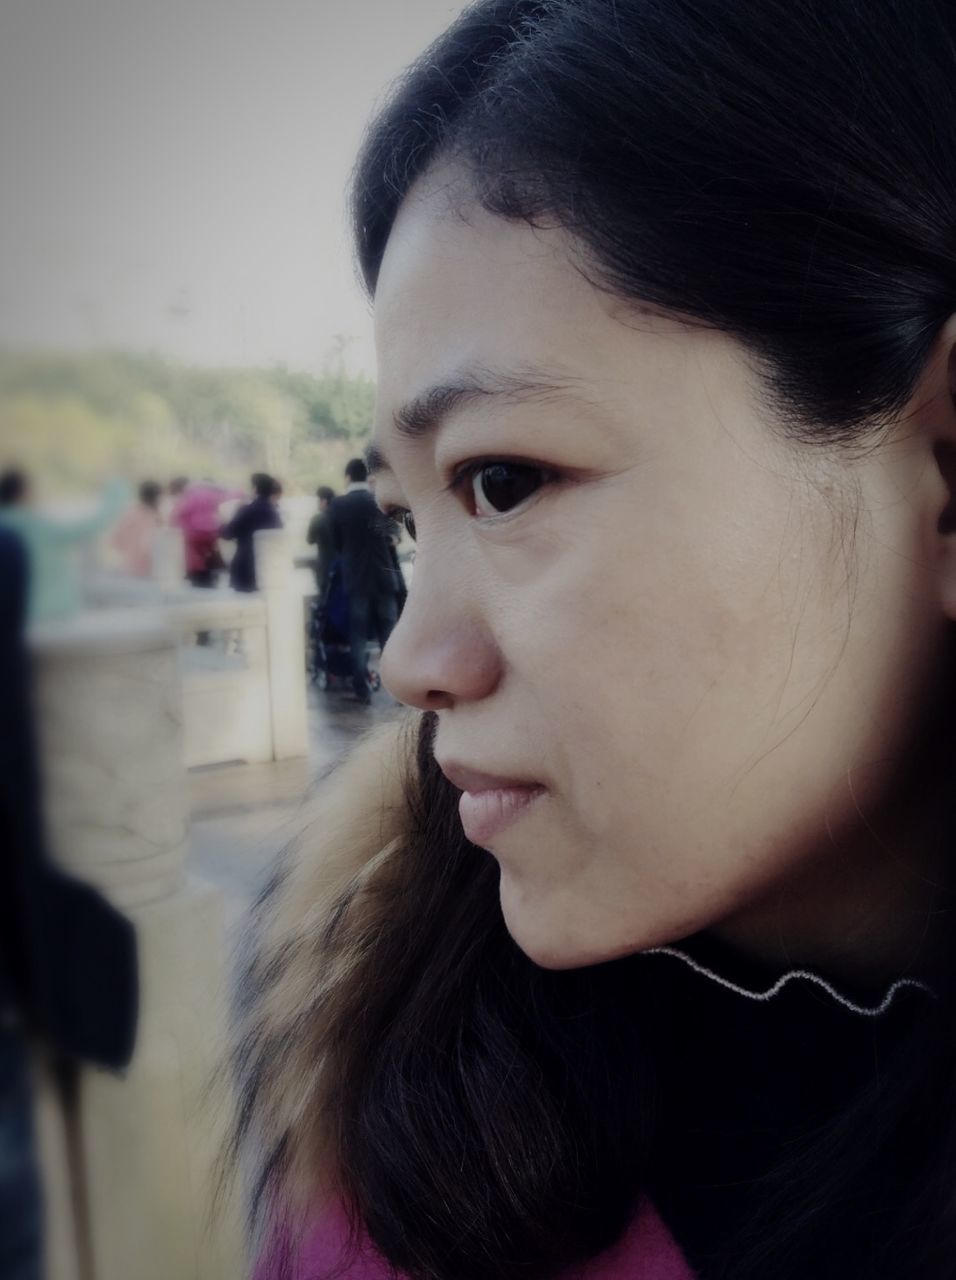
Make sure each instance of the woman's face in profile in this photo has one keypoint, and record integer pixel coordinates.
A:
(706, 645)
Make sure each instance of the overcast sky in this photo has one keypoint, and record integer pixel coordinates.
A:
(172, 172)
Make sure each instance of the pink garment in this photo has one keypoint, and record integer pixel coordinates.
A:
(646, 1252)
(133, 539)
(197, 514)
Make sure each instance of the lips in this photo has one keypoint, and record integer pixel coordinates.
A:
(490, 803)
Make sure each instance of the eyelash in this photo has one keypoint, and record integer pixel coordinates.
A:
(464, 475)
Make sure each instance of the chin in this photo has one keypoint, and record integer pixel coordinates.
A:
(554, 932)
(554, 935)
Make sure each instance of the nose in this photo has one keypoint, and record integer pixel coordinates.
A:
(441, 651)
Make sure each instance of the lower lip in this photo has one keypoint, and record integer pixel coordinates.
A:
(486, 814)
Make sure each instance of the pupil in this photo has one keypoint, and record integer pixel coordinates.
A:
(507, 486)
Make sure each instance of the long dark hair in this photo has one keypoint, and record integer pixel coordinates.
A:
(784, 171)
(482, 1118)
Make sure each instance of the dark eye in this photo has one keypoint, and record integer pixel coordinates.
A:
(499, 487)
(408, 520)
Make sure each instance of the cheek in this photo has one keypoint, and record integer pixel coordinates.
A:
(711, 730)
(670, 661)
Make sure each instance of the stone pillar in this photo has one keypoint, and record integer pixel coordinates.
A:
(286, 639)
(145, 1143)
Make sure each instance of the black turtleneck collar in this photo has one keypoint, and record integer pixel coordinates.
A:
(757, 1067)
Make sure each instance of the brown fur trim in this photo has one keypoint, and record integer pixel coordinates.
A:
(300, 987)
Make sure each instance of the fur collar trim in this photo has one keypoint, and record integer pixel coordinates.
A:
(299, 980)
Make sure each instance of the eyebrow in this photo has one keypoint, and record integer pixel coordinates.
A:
(427, 412)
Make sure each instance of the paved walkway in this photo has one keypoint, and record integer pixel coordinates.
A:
(244, 815)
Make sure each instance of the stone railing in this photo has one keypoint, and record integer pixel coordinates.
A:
(244, 697)
(129, 1164)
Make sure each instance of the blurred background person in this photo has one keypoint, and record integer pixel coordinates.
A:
(52, 543)
(170, 499)
(321, 537)
(261, 513)
(196, 512)
(370, 573)
(134, 536)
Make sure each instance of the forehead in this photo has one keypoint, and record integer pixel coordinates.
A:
(462, 293)
(461, 289)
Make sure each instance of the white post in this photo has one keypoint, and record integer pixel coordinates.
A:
(110, 726)
(226, 701)
(286, 639)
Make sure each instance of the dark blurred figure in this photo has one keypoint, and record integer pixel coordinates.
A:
(67, 958)
(14, 488)
(260, 513)
(321, 537)
(371, 578)
(136, 532)
(401, 590)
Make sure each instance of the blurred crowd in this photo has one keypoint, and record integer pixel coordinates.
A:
(52, 540)
(359, 585)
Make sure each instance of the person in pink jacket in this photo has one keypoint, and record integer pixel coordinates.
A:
(628, 950)
(196, 512)
(135, 532)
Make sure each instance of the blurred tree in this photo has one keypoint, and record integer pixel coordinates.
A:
(71, 419)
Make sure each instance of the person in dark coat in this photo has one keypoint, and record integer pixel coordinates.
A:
(68, 972)
(371, 579)
(321, 537)
(260, 513)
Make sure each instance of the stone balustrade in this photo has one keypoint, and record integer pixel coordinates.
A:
(247, 700)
